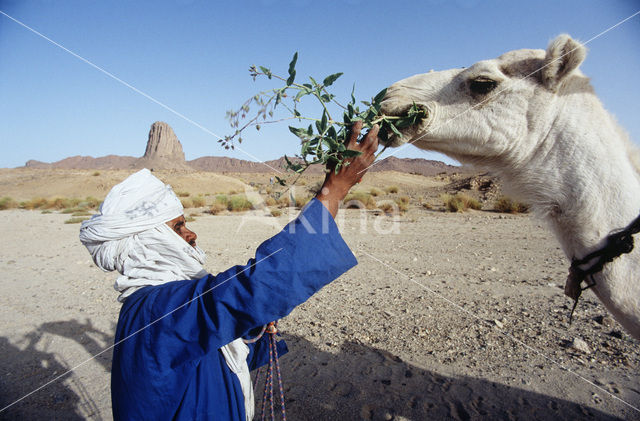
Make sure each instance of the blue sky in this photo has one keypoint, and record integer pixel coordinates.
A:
(193, 56)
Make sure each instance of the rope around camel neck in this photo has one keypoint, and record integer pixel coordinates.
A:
(616, 244)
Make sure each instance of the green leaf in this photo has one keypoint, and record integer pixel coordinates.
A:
(299, 95)
(380, 96)
(353, 90)
(328, 81)
(332, 132)
(393, 129)
(265, 71)
(330, 143)
(292, 69)
(281, 181)
(313, 81)
(292, 77)
(323, 122)
(301, 133)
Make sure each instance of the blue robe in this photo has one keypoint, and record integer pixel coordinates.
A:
(169, 366)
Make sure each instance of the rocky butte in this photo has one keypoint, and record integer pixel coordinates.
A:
(164, 150)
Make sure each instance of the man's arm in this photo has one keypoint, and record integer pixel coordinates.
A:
(336, 186)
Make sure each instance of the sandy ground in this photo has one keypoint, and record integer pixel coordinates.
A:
(447, 316)
(27, 183)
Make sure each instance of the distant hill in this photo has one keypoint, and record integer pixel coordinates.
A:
(164, 152)
(222, 164)
(109, 162)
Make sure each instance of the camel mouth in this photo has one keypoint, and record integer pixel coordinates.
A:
(400, 124)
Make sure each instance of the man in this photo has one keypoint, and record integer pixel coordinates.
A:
(178, 350)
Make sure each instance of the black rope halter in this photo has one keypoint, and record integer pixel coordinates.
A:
(616, 244)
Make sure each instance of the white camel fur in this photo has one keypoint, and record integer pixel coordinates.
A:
(532, 118)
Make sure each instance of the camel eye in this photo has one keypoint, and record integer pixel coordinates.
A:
(482, 85)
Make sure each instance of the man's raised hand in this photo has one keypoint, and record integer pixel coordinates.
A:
(337, 185)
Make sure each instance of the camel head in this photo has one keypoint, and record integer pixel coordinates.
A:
(492, 114)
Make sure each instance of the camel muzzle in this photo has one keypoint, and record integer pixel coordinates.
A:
(411, 119)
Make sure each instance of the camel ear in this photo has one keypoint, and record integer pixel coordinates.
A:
(564, 55)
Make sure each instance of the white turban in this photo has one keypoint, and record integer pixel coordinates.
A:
(130, 235)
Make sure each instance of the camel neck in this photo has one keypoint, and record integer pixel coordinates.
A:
(597, 188)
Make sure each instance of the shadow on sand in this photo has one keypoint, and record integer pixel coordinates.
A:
(28, 364)
(359, 382)
(363, 383)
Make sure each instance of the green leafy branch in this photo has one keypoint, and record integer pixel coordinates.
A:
(324, 140)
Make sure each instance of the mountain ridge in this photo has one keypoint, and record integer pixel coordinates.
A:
(164, 152)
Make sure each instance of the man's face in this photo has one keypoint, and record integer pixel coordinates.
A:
(179, 225)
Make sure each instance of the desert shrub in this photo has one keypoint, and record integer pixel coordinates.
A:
(190, 218)
(232, 192)
(460, 202)
(46, 211)
(36, 203)
(388, 207)
(508, 205)
(427, 205)
(96, 173)
(198, 201)
(276, 212)
(183, 194)
(300, 201)
(186, 203)
(391, 189)
(62, 203)
(72, 210)
(284, 201)
(403, 203)
(90, 202)
(222, 199)
(375, 192)
(8, 203)
(403, 199)
(239, 204)
(314, 188)
(359, 200)
(216, 208)
(268, 189)
(76, 220)
(81, 213)
(270, 201)
(297, 201)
